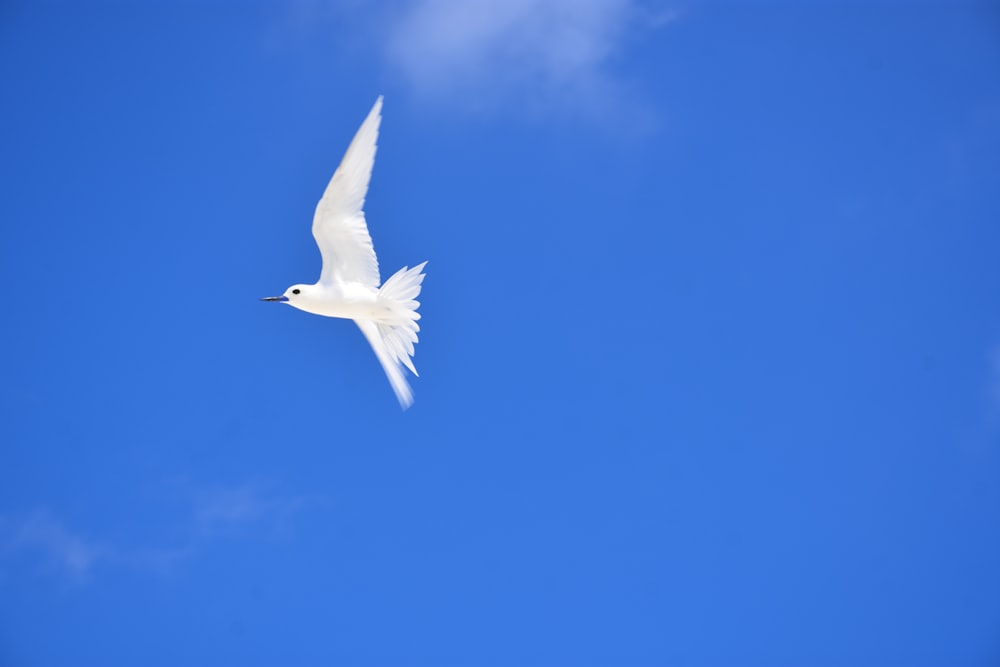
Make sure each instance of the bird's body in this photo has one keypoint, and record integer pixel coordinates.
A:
(349, 286)
(346, 300)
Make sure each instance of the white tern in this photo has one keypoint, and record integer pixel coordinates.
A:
(349, 285)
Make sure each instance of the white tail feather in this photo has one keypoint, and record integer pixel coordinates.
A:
(392, 338)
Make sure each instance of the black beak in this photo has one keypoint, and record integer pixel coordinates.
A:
(274, 298)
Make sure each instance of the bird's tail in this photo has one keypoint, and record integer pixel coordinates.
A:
(393, 336)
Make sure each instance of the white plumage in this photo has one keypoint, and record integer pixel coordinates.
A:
(349, 284)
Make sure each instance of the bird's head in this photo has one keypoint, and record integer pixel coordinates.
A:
(293, 294)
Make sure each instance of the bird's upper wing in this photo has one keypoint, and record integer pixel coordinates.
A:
(339, 225)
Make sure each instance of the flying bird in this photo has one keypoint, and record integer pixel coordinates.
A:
(349, 285)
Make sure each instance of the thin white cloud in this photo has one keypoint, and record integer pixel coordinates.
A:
(226, 508)
(47, 541)
(530, 53)
(41, 534)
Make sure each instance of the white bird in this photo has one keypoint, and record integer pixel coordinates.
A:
(348, 286)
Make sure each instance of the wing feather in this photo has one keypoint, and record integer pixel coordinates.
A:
(339, 225)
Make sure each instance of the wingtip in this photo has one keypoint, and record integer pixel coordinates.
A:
(375, 115)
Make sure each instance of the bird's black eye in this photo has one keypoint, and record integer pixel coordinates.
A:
(295, 291)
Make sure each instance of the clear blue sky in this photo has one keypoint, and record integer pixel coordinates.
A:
(710, 355)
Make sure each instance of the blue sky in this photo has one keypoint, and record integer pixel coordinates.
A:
(710, 348)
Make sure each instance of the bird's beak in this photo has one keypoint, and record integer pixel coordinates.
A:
(274, 298)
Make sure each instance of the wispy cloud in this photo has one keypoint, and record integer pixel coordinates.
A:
(47, 541)
(221, 509)
(532, 53)
(41, 534)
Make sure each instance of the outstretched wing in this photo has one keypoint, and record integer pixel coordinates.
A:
(339, 225)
